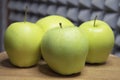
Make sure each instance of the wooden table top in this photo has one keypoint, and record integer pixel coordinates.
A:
(108, 71)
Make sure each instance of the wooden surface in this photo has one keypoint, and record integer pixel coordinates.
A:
(108, 71)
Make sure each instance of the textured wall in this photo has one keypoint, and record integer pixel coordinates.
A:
(0, 26)
(3, 24)
(77, 11)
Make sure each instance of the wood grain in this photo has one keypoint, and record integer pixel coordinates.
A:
(107, 71)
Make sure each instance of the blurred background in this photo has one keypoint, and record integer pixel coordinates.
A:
(78, 11)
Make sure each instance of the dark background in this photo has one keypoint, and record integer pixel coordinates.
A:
(78, 11)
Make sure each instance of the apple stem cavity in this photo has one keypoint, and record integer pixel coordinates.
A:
(26, 10)
(60, 25)
(95, 20)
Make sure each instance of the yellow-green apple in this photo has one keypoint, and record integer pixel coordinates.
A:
(22, 43)
(65, 50)
(53, 21)
(101, 40)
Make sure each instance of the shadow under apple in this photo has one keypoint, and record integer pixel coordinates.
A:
(45, 69)
(95, 64)
(7, 63)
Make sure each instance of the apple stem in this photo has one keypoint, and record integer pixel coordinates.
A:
(26, 10)
(95, 20)
(60, 25)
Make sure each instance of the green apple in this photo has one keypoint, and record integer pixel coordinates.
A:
(65, 50)
(22, 43)
(53, 21)
(101, 40)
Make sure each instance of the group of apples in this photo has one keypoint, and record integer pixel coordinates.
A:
(64, 47)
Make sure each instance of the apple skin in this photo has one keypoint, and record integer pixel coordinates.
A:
(52, 21)
(101, 40)
(65, 50)
(22, 42)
